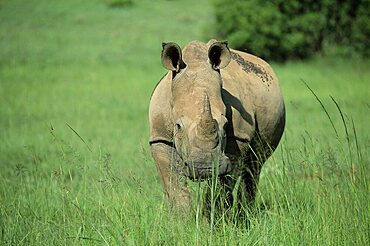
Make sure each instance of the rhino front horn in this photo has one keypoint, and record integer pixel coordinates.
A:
(207, 106)
(206, 120)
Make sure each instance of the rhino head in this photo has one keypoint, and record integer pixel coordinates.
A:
(198, 111)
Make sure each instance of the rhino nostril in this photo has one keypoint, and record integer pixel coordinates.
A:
(186, 164)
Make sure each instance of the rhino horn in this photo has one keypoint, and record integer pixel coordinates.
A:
(207, 112)
(206, 124)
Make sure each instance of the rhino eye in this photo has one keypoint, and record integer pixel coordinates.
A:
(178, 127)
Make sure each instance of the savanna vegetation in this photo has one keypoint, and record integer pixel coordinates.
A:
(286, 29)
(75, 167)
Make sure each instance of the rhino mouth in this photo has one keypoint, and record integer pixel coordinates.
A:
(205, 169)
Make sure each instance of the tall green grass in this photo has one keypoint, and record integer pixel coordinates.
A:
(83, 70)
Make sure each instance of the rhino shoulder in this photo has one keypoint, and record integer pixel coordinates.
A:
(254, 96)
(261, 90)
(160, 112)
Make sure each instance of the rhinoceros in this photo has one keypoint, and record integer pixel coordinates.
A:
(217, 111)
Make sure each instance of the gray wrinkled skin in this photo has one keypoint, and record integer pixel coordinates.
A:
(216, 111)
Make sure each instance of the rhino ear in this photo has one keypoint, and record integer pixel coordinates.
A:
(219, 55)
(172, 57)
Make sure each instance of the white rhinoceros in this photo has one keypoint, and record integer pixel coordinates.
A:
(217, 111)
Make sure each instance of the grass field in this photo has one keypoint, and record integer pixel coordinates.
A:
(85, 66)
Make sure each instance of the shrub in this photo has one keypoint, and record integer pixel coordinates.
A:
(283, 29)
(360, 36)
(119, 3)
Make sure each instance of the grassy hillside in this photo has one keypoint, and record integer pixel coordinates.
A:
(75, 84)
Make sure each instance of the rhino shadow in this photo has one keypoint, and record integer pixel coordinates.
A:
(233, 102)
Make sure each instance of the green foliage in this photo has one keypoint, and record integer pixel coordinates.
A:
(119, 3)
(360, 35)
(94, 68)
(281, 30)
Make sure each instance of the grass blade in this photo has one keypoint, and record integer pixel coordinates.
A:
(197, 213)
(78, 135)
(345, 127)
(356, 142)
(322, 106)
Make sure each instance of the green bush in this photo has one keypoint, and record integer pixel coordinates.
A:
(119, 3)
(287, 29)
(360, 38)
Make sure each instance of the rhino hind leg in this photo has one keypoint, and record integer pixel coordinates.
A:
(175, 189)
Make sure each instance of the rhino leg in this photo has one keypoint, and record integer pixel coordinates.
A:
(175, 190)
(239, 188)
(259, 151)
(250, 178)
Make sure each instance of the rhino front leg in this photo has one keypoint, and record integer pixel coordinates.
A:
(175, 190)
(239, 191)
(240, 186)
(250, 180)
